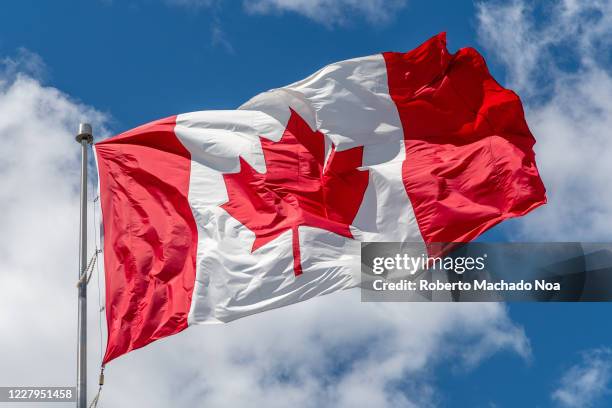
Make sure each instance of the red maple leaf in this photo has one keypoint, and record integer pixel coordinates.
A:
(298, 188)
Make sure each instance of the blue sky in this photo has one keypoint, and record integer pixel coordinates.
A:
(137, 61)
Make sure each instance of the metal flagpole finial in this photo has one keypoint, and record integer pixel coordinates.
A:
(85, 133)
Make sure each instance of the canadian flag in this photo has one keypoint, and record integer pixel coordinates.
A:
(215, 215)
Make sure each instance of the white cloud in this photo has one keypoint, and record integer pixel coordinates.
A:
(330, 12)
(39, 169)
(560, 65)
(329, 351)
(586, 382)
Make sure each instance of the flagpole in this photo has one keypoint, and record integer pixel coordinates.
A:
(85, 138)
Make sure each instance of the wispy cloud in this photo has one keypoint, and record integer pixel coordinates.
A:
(194, 4)
(25, 62)
(560, 65)
(331, 12)
(586, 382)
(218, 37)
(327, 12)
